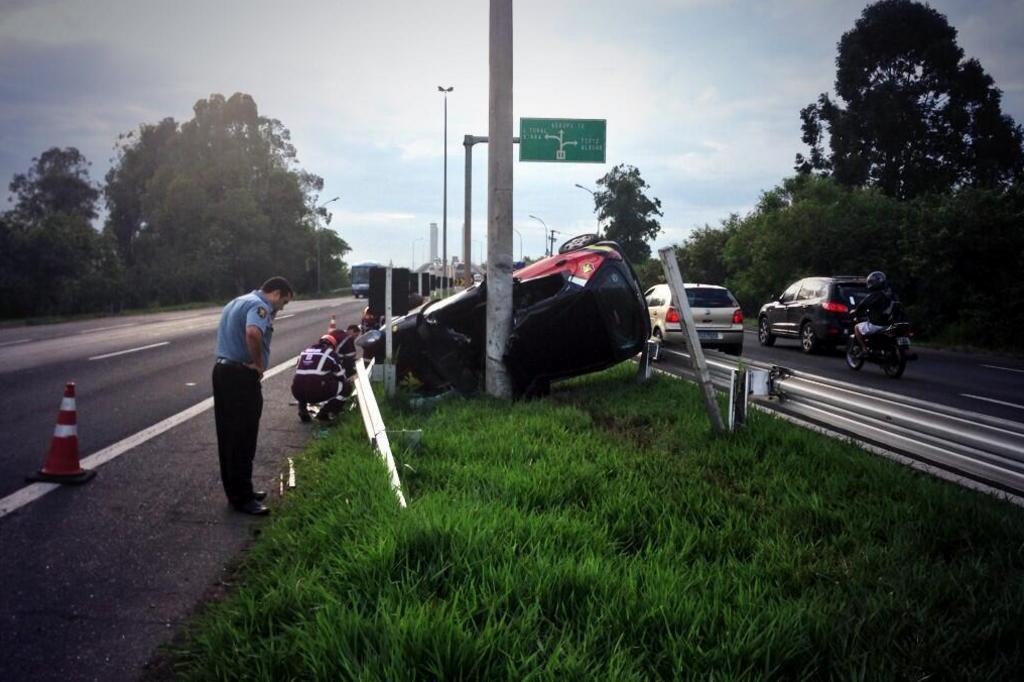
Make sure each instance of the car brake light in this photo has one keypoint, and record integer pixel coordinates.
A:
(672, 315)
(737, 316)
(835, 307)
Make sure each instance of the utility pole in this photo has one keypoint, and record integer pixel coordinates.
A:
(499, 199)
(444, 213)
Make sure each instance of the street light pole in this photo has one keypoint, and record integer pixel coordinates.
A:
(547, 250)
(412, 265)
(444, 213)
(592, 194)
(316, 225)
(520, 243)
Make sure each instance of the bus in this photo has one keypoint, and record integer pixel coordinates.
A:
(361, 278)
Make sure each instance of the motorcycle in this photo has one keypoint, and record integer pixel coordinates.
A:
(888, 348)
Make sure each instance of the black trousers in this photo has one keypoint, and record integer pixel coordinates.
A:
(237, 407)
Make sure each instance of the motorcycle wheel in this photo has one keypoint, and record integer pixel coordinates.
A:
(894, 364)
(854, 355)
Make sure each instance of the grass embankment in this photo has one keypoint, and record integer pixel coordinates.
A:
(606, 534)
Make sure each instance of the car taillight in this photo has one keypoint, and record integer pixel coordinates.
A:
(835, 307)
(672, 315)
(737, 316)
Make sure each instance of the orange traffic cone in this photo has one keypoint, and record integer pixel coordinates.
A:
(62, 462)
(331, 326)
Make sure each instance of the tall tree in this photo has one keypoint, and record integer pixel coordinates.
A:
(629, 212)
(57, 182)
(53, 260)
(208, 208)
(918, 116)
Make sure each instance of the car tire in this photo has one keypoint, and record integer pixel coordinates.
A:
(735, 349)
(764, 333)
(808, 339)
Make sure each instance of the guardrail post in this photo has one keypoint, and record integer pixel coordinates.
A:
(737, 398)
(389, 368)
(700, 366)
(647, 355)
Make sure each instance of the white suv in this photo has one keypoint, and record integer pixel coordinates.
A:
(716, 316)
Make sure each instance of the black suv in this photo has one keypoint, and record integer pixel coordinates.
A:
(815, 309)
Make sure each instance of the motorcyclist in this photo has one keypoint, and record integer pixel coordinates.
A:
(320, 378)
(879, 307)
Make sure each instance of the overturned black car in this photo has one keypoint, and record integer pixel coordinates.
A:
(576, 312)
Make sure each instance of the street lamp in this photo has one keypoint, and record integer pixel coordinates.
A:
(412, 265)
(520, 243)
(316, 225)
(595, 205)
(546, 249)
(444, 214)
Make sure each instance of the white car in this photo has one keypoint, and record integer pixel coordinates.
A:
(716, 316)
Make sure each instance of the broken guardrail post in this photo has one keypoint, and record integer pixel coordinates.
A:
(700, 366)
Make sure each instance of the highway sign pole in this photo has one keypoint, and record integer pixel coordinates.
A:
(700, 366)
(499, 200)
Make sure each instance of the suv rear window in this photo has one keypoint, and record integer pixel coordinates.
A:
(851, 294)
(702, 297)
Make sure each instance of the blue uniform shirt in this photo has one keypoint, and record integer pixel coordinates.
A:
(250, 309)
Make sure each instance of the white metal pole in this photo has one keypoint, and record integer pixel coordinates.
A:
(389, 370)
(700, 366)
(467, 219)
(499, 200)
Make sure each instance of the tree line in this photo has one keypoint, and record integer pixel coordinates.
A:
(914, 171)
(195, 211)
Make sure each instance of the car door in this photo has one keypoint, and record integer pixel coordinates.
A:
(800, 309)
(779, 314)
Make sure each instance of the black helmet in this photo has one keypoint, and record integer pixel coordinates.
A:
(876, 281)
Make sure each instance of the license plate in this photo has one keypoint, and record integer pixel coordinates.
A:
(902, 341)
(708, 336)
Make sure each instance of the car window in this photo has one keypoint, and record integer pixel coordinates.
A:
(705, 297)
(851, 294)
(810, 289)
(790, 294)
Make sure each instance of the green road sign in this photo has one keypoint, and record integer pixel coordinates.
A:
(562, 140)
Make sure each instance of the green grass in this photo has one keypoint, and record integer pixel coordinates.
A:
(605, 533)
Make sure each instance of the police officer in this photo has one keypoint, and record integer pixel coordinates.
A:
(243, 352)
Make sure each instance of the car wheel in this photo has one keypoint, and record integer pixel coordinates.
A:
(764, 333)
(735, 349)
(808, 340)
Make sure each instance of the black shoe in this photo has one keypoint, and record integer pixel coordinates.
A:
(259, 495)
(325, 417)
(254, 507)
(304, 414)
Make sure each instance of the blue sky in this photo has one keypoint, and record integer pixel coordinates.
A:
(703, 96)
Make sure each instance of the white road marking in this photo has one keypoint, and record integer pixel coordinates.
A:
(11, 343)
(190, 383)
(1005, 369)
(993, 400)
(33, 492)
(130, 350)
(103, 329)
(284, 317)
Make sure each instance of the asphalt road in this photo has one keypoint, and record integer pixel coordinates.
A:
(130, 373)
(95, 578)
(989, 384)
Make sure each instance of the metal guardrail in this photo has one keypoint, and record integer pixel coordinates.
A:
(374, 424)
(981, 447)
